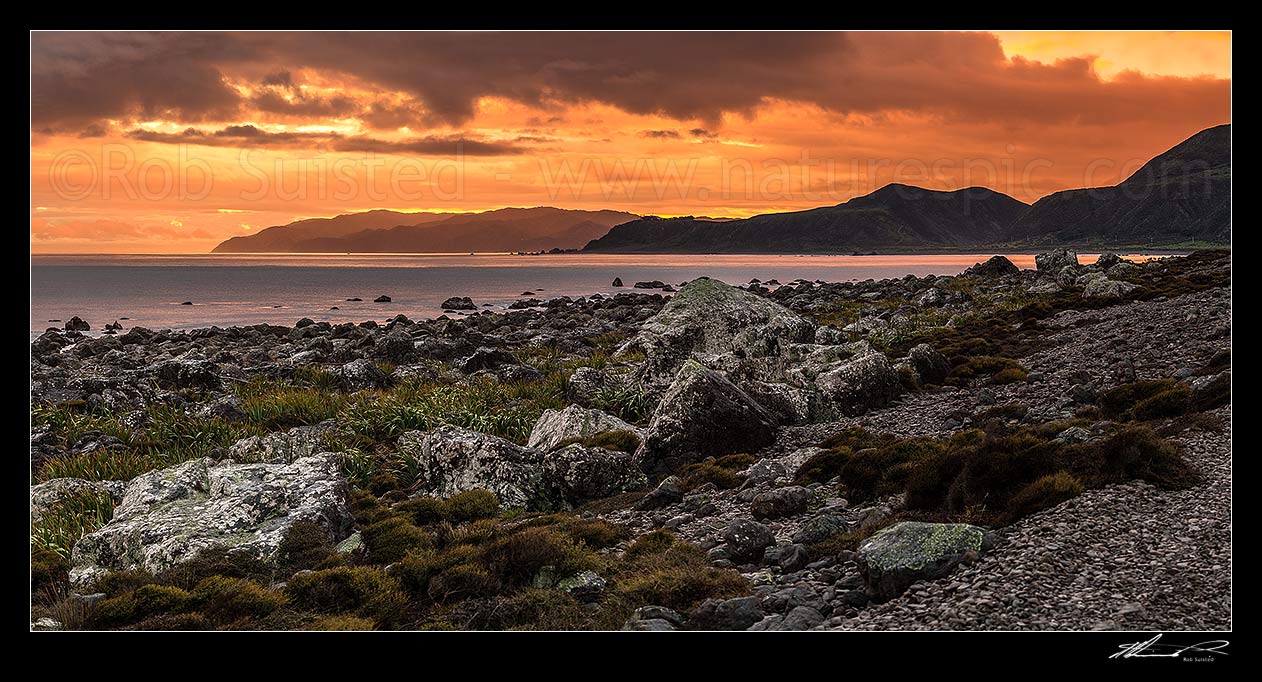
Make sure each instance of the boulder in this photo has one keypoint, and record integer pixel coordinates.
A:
(725, 614)
(593, 473)
(930, 365)
(709, 318)
(485, 358)
(381, 299)
(178, 374)
(171, 516)
(396, 346)
(459, 303)
(454, 460)
(1108, 289)
(820, 528)
(654, 618)
(702, 415)
(574, 423)
(361, 375)
(1054, 261)
(867, 381)
(76, 324)
(283, 447)
(908, 552)
(780, 502)
(1108, 260)
(995, 266)
(617, 282)
(747, 540)
(668, 492)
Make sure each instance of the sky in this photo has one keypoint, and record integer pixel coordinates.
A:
(173, 142)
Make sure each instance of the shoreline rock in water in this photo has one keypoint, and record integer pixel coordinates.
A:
(782, 450)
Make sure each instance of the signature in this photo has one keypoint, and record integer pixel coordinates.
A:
(1154, 649)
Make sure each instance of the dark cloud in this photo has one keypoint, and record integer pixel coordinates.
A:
(663, 134)
(702, 132)
(304, 105)
(281, 79)
(433, 145)
(93, 130)
(84, 77)
(248, 135)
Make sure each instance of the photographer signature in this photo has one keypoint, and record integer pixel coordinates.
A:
(1154, 649)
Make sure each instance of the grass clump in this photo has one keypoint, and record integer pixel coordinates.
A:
(144, 601)
(517, 558)
(76, 514)
(677, 577)
(723, 472)
(1147, 400)
(341, 624)
(620, 440)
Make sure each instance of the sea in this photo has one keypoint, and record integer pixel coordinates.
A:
(201, 290)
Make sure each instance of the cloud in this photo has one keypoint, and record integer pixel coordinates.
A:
(81, 78)
(93, 130)
(702, 132)
(304, 105)
(235, 136)
(45, 230)
(429, 146)
(660, 134)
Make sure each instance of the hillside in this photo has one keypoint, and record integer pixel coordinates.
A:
(1182, 195)
(895, 216)
(508, 229)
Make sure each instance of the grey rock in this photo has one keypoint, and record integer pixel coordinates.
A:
(1105, 288)
(585, 586)
(668, 492)
(709, 318)
(172, 515)
(485, 358)
(1056, 260)
(995, 266)
(865, 382)
(908, 552)
(725, 614)
(821, 527)
(780, 502)
(930, 365)
(574, 422)
(283, 447)
(747, 540)
(801, 618)
(360, 375)
(76, 324)
(701, 415)
(459, 303)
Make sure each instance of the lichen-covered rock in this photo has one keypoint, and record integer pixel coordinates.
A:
(862, 383)
(790, 404)
(49, 494)
(593, 473)
(171, 515)
(702, 415)
(1105, 288)
(930, 365)
(485, 358)
(821, 527)
(282, 447)
(585, 586)
(361, 375)
(908, 552)
(396, 346)
(747, 540)
(710, 318)
(455, 460)
(573, 423)
(1056, 260)
(459, 303)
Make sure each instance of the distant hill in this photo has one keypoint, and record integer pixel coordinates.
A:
(508, 229)
(1179, 196)
(895, 216)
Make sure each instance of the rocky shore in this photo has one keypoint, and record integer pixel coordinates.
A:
(1003, 449)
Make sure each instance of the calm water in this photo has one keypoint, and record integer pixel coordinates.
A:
(243, 289)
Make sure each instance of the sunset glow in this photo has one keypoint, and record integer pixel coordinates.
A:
(157, 143)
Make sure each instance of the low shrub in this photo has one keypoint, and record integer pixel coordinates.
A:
(654, 542)
(678, 578)
(529, 609)
(368, 592)
(723, 472)
(49, 569)
(186, 622)
(471, 505)
(1146, 400)
(217, 562)
(226, 600)
(307, 544)
(517, 558)
(592, 533)
(143, 602)
(463, 581)
(1044, 493)
(389, 540)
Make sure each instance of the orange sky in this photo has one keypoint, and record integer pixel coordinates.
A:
(172, 143)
